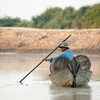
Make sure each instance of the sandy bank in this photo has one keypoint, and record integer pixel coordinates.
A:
(44, 40)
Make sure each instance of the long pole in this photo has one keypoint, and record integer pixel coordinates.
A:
(42, 60)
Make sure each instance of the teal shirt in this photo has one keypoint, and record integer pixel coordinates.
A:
(68, 54)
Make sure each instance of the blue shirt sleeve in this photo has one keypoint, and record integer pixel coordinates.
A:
(51, 59)
(68, 54)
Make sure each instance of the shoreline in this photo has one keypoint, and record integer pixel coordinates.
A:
(28, 40)
(90, 52)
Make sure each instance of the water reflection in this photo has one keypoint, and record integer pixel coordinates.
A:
(67, 93)
(95, 61)
(37, 85)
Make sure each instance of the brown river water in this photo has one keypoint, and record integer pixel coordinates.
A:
(37, 85)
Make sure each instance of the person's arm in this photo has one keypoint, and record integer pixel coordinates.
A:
(50, 59)
(53, 58)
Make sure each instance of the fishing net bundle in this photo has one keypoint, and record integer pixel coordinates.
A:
(59, 64)
(84, 62)
(62, 63)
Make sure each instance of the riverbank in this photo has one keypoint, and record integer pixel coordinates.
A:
(15, 39)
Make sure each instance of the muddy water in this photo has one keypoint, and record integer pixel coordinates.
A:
(37, 86)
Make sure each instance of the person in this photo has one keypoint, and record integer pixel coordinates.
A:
(65, 52)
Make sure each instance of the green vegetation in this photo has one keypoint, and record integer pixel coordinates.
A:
(57, 18)
(7, 21)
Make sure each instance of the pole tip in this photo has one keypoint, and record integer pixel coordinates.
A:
(21, 82)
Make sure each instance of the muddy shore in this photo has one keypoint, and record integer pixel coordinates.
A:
(16, 39)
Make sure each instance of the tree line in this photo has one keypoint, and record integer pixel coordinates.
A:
(58, 18)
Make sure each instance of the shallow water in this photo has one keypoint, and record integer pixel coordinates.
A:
(37, 86)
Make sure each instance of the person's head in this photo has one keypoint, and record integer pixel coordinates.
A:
(63, 46)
